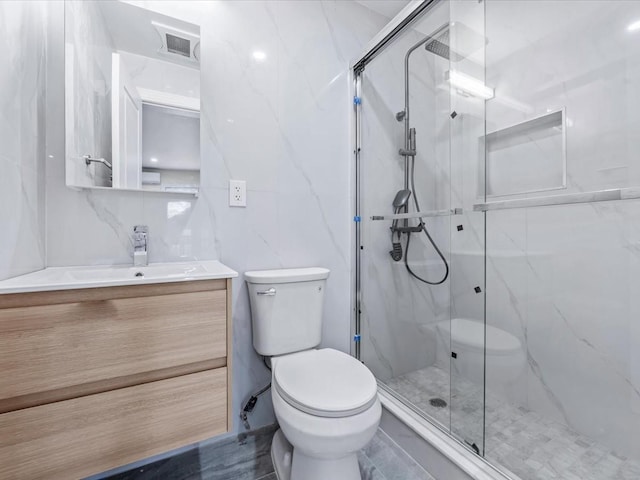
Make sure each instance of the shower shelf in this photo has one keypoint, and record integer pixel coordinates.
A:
(565, 199)
(407, 216)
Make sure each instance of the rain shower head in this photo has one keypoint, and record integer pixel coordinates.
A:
(467, 41)
(440, 46)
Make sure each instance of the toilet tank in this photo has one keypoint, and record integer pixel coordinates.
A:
(286, 309)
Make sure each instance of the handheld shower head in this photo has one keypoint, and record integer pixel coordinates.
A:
(401, 199)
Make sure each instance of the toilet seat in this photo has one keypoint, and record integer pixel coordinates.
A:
(325, 383)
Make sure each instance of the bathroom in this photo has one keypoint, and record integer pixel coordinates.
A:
(499, 345)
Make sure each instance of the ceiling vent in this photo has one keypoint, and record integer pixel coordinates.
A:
(180, 46)
(178, 42)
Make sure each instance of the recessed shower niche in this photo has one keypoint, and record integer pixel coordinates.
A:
(526, 157)
(132, 99)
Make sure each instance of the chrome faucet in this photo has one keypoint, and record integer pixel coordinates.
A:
(140, 233)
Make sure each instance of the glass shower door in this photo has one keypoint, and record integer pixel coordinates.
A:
(465, 85)
(404, 320)
(421, 249)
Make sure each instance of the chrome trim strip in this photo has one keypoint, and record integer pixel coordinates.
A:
(565, 199)
(388, 33)
(430, 213)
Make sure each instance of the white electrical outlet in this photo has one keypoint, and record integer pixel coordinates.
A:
(237, 193)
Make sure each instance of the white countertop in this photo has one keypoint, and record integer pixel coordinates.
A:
(68, 278)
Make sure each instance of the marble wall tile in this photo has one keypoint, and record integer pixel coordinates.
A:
(281, 124)
(594, 87)
(22, 136)
(579, 320)
(296, 167)
(561, 278)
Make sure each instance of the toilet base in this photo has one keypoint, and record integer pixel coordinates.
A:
(281, 456)
(290, 465)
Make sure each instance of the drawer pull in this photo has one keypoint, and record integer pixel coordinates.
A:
(271, 292)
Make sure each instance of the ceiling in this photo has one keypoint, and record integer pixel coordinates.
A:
(132, 31)
(386, 8)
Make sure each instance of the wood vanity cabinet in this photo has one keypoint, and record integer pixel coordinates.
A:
(96, 378)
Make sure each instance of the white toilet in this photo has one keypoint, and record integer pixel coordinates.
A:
(326, 401)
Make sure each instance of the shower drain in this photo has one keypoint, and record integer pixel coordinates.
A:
(437, 402)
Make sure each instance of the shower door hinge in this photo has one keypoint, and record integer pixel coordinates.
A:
(357, 100)
(357, 219)
(356, 338)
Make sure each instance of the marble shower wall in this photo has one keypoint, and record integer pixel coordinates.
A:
(281, 124)
(399, 313)
(22, 133)
(563, 279)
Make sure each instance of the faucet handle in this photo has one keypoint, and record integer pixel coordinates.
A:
(140, 236)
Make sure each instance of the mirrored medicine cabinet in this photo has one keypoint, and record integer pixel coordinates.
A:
(132, 99)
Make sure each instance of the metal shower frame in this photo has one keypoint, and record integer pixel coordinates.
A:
(373, 49)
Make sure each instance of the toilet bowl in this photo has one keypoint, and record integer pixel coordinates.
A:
(465, 342)
(327, 405)
(326, 402)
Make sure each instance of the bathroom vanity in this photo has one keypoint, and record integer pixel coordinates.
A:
(101, 367)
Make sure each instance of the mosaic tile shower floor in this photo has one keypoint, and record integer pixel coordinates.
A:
(522, 442)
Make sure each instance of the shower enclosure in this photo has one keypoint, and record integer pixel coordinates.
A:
(498, 229)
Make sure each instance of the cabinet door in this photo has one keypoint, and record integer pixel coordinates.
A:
(88, 435)
(54, 352)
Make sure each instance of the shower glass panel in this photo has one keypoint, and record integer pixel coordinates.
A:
(526, 168)
(421, 170)
(468, 96)
(563, 280)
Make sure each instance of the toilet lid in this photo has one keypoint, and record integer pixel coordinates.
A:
(325, 383)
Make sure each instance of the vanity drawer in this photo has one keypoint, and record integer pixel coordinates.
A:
(63, 350)
(83, 436)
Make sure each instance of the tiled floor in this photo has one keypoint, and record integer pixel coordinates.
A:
(246, 457)
(249, 458)
(522, 442)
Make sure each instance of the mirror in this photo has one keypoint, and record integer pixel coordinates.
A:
(132, 98)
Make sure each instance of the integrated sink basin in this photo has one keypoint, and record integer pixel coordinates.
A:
(154, 270)
(65, 278)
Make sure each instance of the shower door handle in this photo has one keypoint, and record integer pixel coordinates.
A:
(270, 293)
